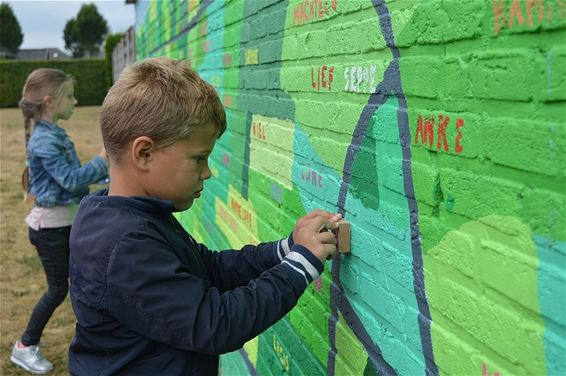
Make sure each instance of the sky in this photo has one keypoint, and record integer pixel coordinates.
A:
(42, 21)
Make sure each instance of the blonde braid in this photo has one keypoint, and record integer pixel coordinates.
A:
(39, 84)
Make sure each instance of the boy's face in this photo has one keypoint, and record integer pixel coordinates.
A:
(179, 170)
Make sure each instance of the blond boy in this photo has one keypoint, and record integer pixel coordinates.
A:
(150, 299)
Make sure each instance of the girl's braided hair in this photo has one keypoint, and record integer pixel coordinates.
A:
(39, 84)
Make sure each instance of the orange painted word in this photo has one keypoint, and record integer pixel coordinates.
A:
(504, 16)
(258, 130)
(310, 10)
(244, 214)
(227, 218)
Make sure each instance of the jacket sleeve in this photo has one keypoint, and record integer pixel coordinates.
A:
(70, 177)
(232, 268)
(153, 294)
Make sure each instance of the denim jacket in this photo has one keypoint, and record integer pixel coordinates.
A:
(55, 173)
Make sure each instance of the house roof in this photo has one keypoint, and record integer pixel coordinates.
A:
(42, 54)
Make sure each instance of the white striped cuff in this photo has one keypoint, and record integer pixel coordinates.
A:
(284, 247)
(303, 262)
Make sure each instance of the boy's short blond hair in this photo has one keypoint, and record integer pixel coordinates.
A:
(161, 98)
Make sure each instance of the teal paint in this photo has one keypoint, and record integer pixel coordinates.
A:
(552, 300)
(373, 228)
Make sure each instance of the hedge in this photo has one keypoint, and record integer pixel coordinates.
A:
(89, 74)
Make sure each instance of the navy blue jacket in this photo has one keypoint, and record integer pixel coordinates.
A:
(150, 300)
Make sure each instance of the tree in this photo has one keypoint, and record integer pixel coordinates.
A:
(71, 37)
(84, 34)
(11, 35)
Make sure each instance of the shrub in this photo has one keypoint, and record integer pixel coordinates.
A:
(89, 74)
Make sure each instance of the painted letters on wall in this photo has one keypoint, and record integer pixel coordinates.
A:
(437, 128)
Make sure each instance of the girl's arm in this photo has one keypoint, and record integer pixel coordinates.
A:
(68, 174)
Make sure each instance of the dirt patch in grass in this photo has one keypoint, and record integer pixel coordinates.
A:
(22, 280)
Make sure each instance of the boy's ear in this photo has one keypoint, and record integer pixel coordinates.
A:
(142, 151)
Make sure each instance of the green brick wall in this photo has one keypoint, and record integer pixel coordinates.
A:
(437, 127)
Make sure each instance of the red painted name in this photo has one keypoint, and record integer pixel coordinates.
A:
(322, 77)
(428, 129)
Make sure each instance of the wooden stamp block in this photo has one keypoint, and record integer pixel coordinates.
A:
(343, 236)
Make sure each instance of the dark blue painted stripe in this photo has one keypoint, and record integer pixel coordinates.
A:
(248, 362)
(246, 164)
(424, 319)
(391, 86)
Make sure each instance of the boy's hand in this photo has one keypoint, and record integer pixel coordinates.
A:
(314, 231)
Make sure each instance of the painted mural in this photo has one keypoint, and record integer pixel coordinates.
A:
(437, 128)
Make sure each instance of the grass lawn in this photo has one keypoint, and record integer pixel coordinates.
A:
(22, 280)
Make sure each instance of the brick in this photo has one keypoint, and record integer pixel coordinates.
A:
(475, 196)
(456, 251)
(511, 273)
(555, 76)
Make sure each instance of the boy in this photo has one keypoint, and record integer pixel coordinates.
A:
(149, 299)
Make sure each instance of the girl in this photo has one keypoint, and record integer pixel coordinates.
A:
(57, 182)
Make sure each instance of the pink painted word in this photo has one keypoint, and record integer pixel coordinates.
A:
(425, 128)
(318, 284)
(225, 159)
(312, 177)
(310, 10)
(485, 373)
(227, 60)
(519, 10)
(322, 78)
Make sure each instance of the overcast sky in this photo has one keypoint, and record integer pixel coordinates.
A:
(43, 21)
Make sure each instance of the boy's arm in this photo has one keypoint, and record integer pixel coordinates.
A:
(156, 296)
(232, 268)
(66, 175)
(229, 269)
